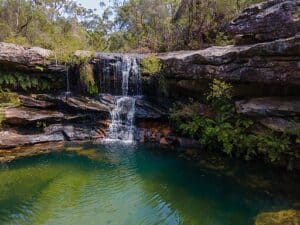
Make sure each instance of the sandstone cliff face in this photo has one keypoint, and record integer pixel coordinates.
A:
(33, 59)
(267, 57)
(268, 63)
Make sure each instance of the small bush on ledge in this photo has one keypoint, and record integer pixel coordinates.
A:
(151, 65)
(8, 99)
(229, 132)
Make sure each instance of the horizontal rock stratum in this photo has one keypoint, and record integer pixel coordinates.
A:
(270, 62)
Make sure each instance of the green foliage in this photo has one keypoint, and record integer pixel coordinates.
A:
(229, 132)
(23, 81)
(151, 65)
(222, 39)
(185, 24)
(60, 25)
(41, 124)
(133, 25)
(1, 118)
(8, 99)
(87, 77)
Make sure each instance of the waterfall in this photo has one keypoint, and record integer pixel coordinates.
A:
(122, 126)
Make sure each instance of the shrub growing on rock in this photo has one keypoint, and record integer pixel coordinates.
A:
(231, 133)
(87, 79)
(151, 65)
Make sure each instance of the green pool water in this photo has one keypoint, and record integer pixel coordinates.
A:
(125, 185)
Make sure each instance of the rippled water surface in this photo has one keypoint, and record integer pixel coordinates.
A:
(115, 185)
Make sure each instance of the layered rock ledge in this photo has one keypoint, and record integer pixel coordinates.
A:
(276, 62)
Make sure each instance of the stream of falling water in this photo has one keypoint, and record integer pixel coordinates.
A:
(122, 126)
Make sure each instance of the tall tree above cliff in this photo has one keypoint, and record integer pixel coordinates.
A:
(163, 25)
(47, 23)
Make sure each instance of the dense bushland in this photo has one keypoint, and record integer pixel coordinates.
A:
(132, 25)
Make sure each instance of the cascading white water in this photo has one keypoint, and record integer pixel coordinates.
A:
(122, 125)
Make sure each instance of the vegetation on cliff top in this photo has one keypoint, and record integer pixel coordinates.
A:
(133, 25)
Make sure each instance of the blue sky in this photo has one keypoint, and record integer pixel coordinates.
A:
(92, 4)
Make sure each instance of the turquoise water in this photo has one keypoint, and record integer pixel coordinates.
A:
(122, 185)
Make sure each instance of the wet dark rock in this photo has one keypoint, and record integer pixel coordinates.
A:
(144, 110)
(270, 106)
(281, 125)
(77, 103)
(73, 132)
(107, 99)
(147, 111)
(266, 21)
(161, 133)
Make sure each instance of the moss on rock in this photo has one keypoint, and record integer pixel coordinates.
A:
(87, 79)
(285, 217)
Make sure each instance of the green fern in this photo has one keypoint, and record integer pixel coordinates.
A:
(23, 81)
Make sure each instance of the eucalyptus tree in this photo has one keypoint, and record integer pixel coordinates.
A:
(48, 23)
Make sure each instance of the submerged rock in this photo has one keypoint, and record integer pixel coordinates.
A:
(8, 155)
(286, 217)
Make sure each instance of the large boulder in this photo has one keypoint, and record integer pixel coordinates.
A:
(266, 21)
(33, 59)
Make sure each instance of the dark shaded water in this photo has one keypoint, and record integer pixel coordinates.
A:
(122, 185)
